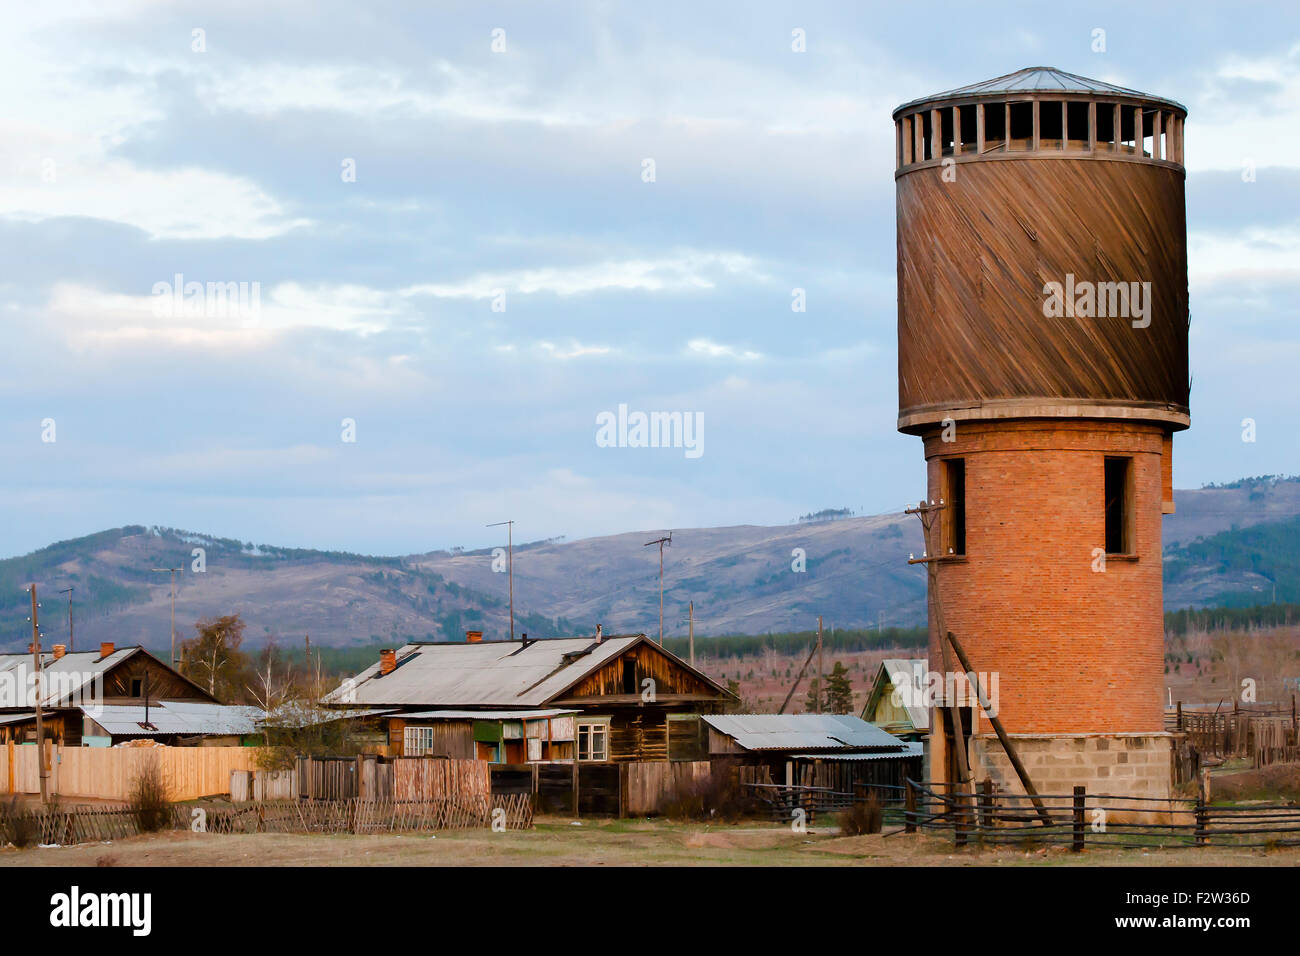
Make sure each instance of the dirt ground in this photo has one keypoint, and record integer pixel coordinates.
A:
(556, 842)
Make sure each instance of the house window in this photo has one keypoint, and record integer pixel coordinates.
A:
(417, 741)
(1119, 506)
(137, 686)
(953, 477)
(629, 676)
(593, 739)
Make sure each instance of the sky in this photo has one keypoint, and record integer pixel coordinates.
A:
(473, 228)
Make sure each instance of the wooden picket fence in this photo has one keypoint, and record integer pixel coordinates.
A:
(107, 773)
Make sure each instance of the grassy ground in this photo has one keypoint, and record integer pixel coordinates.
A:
(554, 842)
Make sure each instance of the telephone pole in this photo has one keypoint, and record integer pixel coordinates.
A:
(690, 614)
(40, 692)
(931, 536)
(68, 591)
(510, 550)
(173, 572)
(661, 542)
(821, 686)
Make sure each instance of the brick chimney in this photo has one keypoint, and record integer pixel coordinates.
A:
(60, 650)
(599, 635)
(473, 637)
(106, 648)
(387, 661)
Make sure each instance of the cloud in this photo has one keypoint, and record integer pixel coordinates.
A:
(710, 349)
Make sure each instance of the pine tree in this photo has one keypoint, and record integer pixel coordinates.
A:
(839, 690)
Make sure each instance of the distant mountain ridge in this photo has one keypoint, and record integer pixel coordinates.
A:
(1224, 545)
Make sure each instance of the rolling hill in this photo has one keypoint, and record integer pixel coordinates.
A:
(1225, 545)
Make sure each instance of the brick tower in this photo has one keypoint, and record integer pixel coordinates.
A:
(1042, 359)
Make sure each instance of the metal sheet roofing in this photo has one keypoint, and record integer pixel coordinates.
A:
(911, 749)
(488, 714)
(490, 674)
(185, 718)
(802, 732)
(1037, 79)
(17, 718)
(71, 674)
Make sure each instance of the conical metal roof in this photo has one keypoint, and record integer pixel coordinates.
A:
(1038, 79)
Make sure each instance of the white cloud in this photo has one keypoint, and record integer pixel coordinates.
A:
(1268, 254)
(574, 349)
(710, 349)
(683, 271)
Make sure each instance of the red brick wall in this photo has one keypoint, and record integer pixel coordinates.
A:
(1076, 651)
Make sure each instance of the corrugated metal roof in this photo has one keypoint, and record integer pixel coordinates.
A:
(486, 714)
(70, 674)
(17, 718)
(1037, 79)
(491, 673)
(801, 731)
(186, 718)
(911, 749)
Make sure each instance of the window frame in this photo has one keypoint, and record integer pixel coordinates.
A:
(1124, 499)
(587, 730)
(411, 747)
(953, 542)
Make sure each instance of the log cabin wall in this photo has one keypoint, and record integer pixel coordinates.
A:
(624, 677)
(124, 684)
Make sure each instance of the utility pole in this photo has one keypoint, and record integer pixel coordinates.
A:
(173, 572)
(690, 615)
(661, 542)
(510, 551)
(40, 692)
(68, 591)
(821, 671)
(931, 535)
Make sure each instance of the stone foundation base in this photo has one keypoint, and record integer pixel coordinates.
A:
(1120, 765)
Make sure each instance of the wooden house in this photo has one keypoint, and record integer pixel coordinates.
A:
(896, 703)
(73, 682)
(599, 698)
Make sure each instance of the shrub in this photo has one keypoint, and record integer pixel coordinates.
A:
(862, 817)
(19, 826)
(148, 798)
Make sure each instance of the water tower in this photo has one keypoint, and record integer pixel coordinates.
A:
(1042, 359)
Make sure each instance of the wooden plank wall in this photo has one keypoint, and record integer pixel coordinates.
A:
(429, 778)
(647, 784)
(107, 773)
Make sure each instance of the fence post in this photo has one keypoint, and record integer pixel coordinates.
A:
(986, 809)
(1180, 715)
(959, 815)
(909, 806)
(1202, 811)
(1079, 799)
